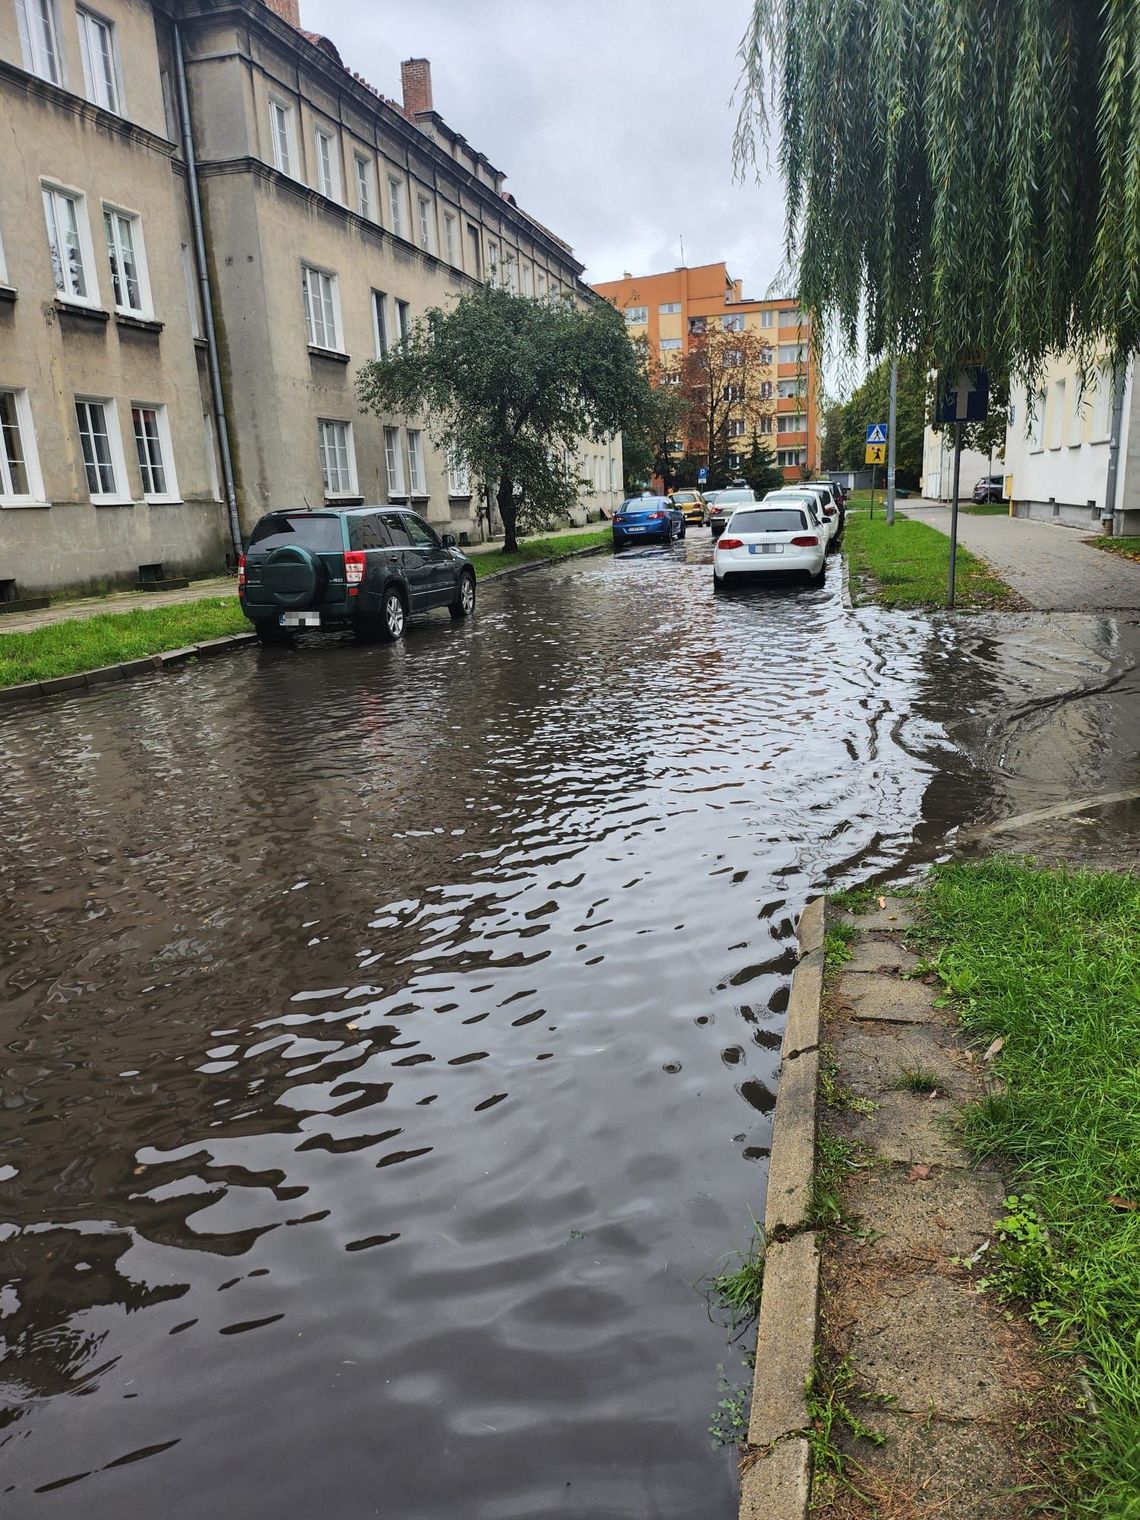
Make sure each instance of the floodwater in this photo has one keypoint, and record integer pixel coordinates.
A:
(390, 1037)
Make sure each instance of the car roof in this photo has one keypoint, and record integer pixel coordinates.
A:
(334, 511)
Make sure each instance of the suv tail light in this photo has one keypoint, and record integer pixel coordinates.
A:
(729, 543)
(353, 569)
(808, 541)
(241, 572)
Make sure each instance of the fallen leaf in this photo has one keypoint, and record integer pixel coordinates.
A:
(139, 1170)
(882, 902)
(940, 1222)
(919, 1172)
(933, 1093)
(1121, 1203)
(995, 1046)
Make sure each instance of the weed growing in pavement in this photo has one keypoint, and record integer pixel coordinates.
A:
(1025, 1269)
(834, 1159)
(730, 1417)
(837, 1094)
(917, 1079)
(854, 899)
(828, 1391)
(837, 945)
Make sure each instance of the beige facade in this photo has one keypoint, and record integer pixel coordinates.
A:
(332, 217)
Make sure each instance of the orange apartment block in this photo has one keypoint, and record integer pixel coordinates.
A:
(671, 308)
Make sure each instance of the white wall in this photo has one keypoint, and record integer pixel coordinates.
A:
(938, 466)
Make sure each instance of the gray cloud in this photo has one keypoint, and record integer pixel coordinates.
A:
(611, 120)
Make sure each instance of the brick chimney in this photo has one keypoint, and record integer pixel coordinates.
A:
(415, 81)
(288, 10)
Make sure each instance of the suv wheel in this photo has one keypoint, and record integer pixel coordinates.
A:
(273, 634)
(464, 603)
(393, 616)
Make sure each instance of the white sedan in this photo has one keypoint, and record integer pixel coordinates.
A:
(765, 539)
(805, 496)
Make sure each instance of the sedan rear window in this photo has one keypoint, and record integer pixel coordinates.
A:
(313, 532)
(727, 498)
(771, 521)
(641, 504)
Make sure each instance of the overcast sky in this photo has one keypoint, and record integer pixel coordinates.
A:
(610, 118)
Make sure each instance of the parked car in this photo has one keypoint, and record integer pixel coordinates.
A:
(364, 568)
(766, 540)
(840, 493)
(819, 499)
(990, 488)
(642, 517)
(692, 505)
(722, 504)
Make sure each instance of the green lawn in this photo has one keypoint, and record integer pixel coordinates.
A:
(907, 565)
(1049, 961)
(1127, 548)
(62, 649)
(531, 549)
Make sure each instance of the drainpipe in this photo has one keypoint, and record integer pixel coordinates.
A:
(207, 297)
(1119, 376)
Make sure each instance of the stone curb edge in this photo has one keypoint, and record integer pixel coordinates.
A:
(86, 679)
(541, 564)
(775, 1481)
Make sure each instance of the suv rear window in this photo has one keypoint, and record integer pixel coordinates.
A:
(307, 529)
(771, 521)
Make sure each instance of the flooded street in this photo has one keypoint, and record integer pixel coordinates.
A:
(390, 1034)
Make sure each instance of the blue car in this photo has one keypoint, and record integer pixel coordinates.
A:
(652, 517)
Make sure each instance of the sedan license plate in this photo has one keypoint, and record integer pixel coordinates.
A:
(635, 528)
(765, 548)
(299, 619)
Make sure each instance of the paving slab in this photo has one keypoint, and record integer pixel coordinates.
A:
(777, 1485)
(897, 913)
(950, 1214)
(785, 1339)
(792, 1158)
(875, 1058)
(908, 1128)
(888, 999)
(945, 1469)
(876, 952)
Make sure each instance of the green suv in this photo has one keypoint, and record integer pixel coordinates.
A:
(364, 568)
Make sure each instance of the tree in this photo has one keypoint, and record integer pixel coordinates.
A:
(761, 471)
(963, 176)
(720, 388)
(510, 385)
(870, 403)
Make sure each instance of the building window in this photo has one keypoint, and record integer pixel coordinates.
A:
(394, 462)
(212, 457)
(458, 475)
(792, 353)
(127, 260)
(320, 295)
(791, 422)
(492, 263)
(73, 263)
(736, 427)
(765, 356)
(363, 171)
(669, 309)
(511, 274)
(473, 240)
(39, 38)
(542, 284)
(328, 180)
(787, 390)
(1076, 415)
(636, 316)
(1102, 406)
(190, 281)
(1056, 432)
(396, 205)
(527, 280)
(102, 450)
(736, 461)
(338, 464)
(766, 422)
(791, 458)
(671, 377)
(380, 322)
(734, 323)
(100, 62)
(423, 210)
(1037, 422)
(416, 462)
(20, 483)
(732, 358)
(768, 318)
(449, 237)
(698, 326)
(670, 344)
(281, 133)
(152, 441)
(403, 320)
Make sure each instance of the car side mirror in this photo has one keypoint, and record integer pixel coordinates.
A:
(450, 541)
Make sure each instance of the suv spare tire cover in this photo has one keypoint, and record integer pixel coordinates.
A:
(293, 575)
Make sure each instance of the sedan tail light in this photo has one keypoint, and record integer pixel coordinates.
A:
(829, 511)
(353, 569)
(241, 572)
(732, 543)
(656, 516)
(808, 541)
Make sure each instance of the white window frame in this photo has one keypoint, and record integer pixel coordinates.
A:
(381, 338)
(670, 345)
(791, 422)
(417, 470)
(636, 316)
(736, 427)
(541, 285)
(349, 487)
(786, 463)
(669, 309)
(3, 265)
(362, 172)
(328, 168)
(1102, 405)
(458, 475)
(492, 263)
(145, 308)
(792, 353)
(212, 457)
(190, 280)
(120, 494)
(403, 320)
(511, 273)
(52, 193)
(317, 313)
(425, 222)
(283, 136)
(1076, 415)
(733, 323)
(1057, 428)
(102, 76)
(768, 318)
(26, 434)
(528, 280)
(396, 204)
(394, 465)
(1037, 405)
(165, 453)
(450, 224)
(38, 25)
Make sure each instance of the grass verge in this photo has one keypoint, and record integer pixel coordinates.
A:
(63, 649)
(1049, 960)
(531, 549)
(907, 565)
(1126, 547)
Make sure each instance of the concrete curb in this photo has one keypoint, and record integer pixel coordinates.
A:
(86, 680)
(776, 1478)
(541, 564)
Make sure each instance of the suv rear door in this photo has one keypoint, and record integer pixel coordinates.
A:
(285, 581)
(438, 564)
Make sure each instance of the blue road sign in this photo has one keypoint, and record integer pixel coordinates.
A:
(876, 432)
(702, 475)
(964, 397)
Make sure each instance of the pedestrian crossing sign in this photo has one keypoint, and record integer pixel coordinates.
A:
(876, 433)
(876, 453)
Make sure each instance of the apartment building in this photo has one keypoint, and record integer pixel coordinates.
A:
(672, 309)
(208, 223)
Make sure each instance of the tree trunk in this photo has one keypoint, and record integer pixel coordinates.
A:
(506, 500)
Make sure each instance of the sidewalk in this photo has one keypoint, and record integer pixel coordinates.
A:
(1050, 566)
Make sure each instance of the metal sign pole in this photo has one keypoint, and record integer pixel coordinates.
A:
(872, 493)
(891, 443)
(954, 513)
